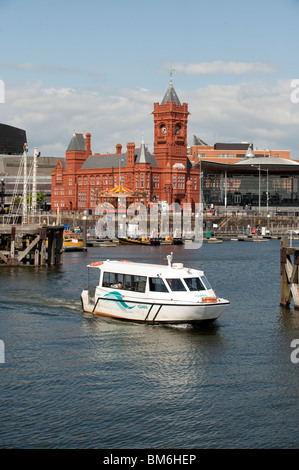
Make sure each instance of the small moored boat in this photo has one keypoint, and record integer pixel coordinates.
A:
(72, 243)
(152, 293)
(139, 241)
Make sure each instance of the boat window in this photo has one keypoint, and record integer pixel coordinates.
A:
(206, 282)
(139, 283)
(176, 284)
(194, 283)
(129, 282)
(124, 281)
(113, 280)
(156, 284)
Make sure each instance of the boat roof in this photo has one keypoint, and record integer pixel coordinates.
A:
(141, 269)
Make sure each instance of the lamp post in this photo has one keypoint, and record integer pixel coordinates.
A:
(33, 202)
(259, 168)
(2, 192)
(200, 183)
(225, 189)
(267, 193)
(25, 182)
(259, 189)
(84, 233)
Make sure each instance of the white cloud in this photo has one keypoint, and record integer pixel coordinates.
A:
(30, 67)
(219, 66)
(250, 111)
(50, 115)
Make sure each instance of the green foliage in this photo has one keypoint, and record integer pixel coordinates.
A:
(40, 199)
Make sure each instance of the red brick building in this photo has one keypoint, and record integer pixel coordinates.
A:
(167, 174)
(230, 152)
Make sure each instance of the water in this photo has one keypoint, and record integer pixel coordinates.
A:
(73, 381)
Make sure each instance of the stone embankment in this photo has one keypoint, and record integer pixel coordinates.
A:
(238, 224)
(228, 223)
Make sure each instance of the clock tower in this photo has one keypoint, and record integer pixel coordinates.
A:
(170, 129)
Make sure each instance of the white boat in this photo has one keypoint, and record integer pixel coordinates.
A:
(152, 293)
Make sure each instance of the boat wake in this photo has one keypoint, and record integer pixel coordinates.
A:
(38, 304)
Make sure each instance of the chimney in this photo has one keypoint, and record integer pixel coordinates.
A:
(87, 143)
(118, 149)
(131, 154)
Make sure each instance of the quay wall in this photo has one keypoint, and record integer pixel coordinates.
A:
(226, 223)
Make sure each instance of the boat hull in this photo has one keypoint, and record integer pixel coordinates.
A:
(138, 241)
(152, 311)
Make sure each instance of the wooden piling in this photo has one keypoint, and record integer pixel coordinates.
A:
(289, 263)
(31, 244)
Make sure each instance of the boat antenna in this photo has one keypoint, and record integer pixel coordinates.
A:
(169, 259)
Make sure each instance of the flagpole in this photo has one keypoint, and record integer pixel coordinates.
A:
(24, 198)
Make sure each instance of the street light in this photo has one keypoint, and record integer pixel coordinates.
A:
(200, 183)
(267, 193)
(2, 191)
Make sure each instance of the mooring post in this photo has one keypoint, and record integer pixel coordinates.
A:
(284, 286)
(84, 233)
(288, 273)
(60, 245)
(43, 237)
(12, 242)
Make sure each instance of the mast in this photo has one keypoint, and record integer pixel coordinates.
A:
(33, 203)
(24, 197)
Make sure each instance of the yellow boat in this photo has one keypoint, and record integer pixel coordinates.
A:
(139, 241)
(72, 243)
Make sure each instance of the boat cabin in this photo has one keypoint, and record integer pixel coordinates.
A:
(152, 293)
(129, 276)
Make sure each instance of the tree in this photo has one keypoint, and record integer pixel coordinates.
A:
(40, 199)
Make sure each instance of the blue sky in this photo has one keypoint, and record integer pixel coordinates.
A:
(98, 66)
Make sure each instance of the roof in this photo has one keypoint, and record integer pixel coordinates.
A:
(77, 143)
(198, 141)
(142, 155)
(269, 161)
(146, 269)
(281, 166)
(120, 189)
(232, 145)
(10, 164)
(170, 95)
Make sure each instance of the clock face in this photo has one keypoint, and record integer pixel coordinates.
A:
(164, 129)
(177, 129)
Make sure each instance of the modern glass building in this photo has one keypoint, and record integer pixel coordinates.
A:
(256, 181)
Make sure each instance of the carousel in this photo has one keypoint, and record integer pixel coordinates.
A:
(121, 197)
(124, 200)
(121, 200)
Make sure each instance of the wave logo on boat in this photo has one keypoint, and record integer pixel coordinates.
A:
(119, 299)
